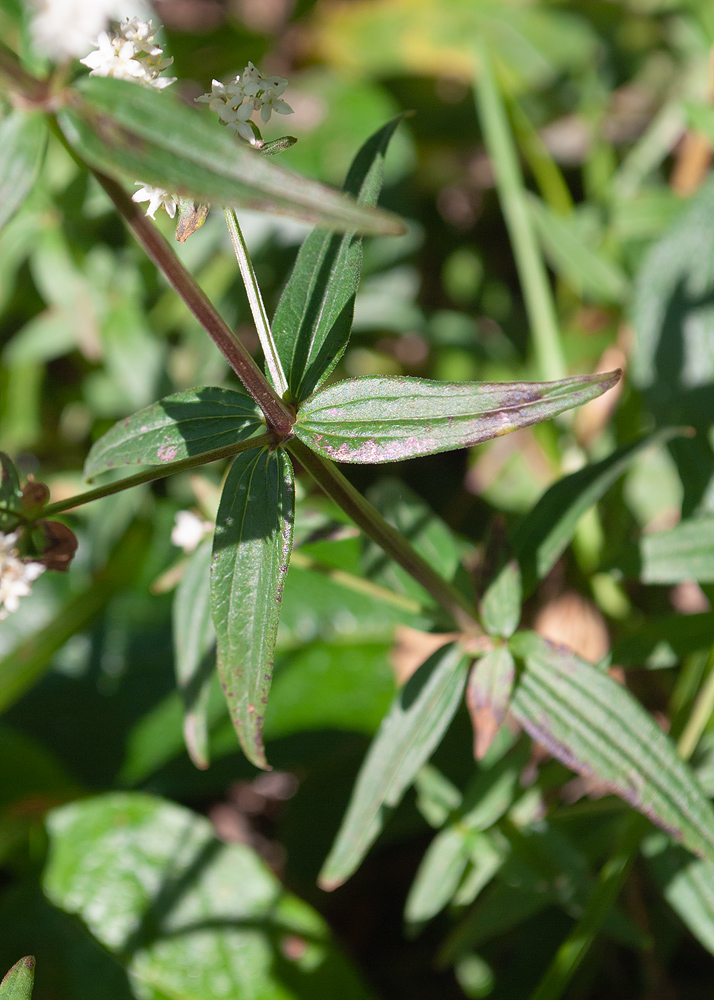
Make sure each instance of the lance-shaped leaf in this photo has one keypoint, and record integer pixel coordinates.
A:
(687, 884)
(488, 693)
(407, 737)
(22, 142)
(685, 552)
(177, 427)
(595, 726)
(135, 132)
(313, 320)
(251, 553)
(544, 534)
(501, 604)
(382, 419)
(194, 640)
(17, 984)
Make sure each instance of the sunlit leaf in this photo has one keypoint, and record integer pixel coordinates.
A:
(685, 552)
(135, 132)
(177, 427)
(382, 419)
(251, 552)
(17, 984)
(23, 136)
(501, 604)
(596, 727)
(488, 693)
(409, 734)
(313, 320)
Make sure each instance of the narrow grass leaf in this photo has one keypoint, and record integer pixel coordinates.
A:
(194, 641)
(23, 135)
(488, 694)
(383, 419)
(409, 734)
(685, 552)
(251, 553)
(545, 533)
(596, 727)
(17, 984)
(135, 132)
(177, 427)
(313, 320)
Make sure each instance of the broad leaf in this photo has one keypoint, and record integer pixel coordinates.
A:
(685, 552)
(251, 553)
(597, 728)
(187, 916)
(22, 142)
(194, 642)
(382, 419)
(488, 694)
(17, 984)
(546, 531)
(135, 132)
(313, 320)
(501, 604)
(409, 734)
(177, 427)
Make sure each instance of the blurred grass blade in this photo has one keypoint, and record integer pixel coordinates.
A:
(17, 984)
(408, 735)
(385, 419)
(177, 427)
(685, 552)
(251, 553)
(23, 135)
(512, 193)
(194, 642)
(10, 492)
(686, 883)
(587, 271)
(501, 604)
(439, 874)
(545, 532)
(313, 320)
(596, 727)
(488, 694)
(136, 133)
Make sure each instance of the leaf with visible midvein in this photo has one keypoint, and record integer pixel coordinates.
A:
(313, 320)
(251, 554)
(180, 426)
(386, 419)
(408, 735)
(545, 532)
(17, 984)
(194, 641)
(135, 133)
(23, 135)
(685, 552)
(597, 728)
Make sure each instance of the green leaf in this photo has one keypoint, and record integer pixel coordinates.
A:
(597, 728)
(586, 270)
(10, 492)
(251, 553)
(17, 984)
(194, 642)
(409, 734)
(488, 694)
(382, 419)
(685, 552)
(546, 531)
(501, 604)
(23, 136)
(135, 132)
(188, 917)
(662, 642)
(687, 884)
(177, 427)
(313, 320)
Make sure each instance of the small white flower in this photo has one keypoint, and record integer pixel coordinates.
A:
(236, 101)
(157, 198)
(271, 102)
(189, 530)
(129, 53)
(16, 576)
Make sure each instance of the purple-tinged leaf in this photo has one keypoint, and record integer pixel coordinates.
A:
(488, 693)
(17, 984)
(251, 553)
(385, 419)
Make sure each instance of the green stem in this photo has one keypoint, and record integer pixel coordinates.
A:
(29, 88)
(366, 517)
(158, 472)
(357, 583)
(255, 299)
(511, 189)
(546, 172)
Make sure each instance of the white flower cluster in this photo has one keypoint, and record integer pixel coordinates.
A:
(237, 101)
(64, 29)
(157, 198)
(16, 576)
(130, 53)
(189, 530)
